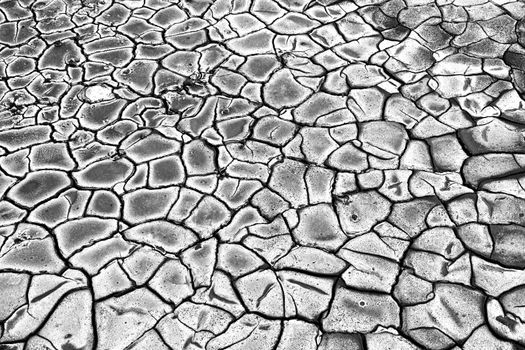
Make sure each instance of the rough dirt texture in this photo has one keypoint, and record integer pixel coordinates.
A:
(274, 174)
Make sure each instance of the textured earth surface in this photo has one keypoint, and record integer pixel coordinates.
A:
(274, 174)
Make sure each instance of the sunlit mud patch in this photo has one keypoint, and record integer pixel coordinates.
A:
(98, 93)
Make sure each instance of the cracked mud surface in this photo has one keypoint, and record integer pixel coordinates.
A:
(274, 174)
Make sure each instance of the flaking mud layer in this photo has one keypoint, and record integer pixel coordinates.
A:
(273, 174)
